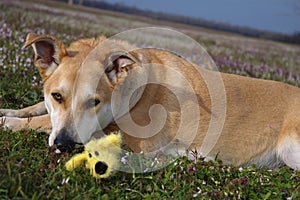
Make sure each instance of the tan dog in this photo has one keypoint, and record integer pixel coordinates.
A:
(99, 84)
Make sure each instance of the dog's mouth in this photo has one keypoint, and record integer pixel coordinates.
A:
(78, 145)
(68, 145)
(68, 148)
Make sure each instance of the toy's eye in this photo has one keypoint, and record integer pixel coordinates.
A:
(96, 153)
(90, 155)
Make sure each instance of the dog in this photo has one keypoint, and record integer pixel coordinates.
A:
(158, 99)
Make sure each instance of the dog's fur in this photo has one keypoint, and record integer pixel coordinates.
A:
(262, 122)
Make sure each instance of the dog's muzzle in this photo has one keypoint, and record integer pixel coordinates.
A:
(64, 142)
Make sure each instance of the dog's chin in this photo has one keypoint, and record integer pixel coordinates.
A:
(97, 134)
(78, 145)
(68, 148)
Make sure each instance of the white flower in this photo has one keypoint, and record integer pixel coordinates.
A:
(57, 151)
(172, 176)
(195, 195)
(123, 159)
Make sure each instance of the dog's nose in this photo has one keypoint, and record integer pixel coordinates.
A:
(64, 142)
(101, 167)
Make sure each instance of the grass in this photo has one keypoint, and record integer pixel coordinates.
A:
(29, 169)
(32, 171)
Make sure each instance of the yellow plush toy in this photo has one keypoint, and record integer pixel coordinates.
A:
(102, 156)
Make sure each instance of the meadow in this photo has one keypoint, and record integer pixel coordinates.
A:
(29, 169)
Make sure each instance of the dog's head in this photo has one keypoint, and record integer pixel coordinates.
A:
(79, 83)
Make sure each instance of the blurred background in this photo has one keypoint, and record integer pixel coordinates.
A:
(272, 19)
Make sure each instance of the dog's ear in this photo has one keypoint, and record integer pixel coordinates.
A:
(118, 64)
(48, 52)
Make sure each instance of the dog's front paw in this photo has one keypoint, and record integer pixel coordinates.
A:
(13, 123)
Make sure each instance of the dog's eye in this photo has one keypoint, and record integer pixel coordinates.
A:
(92, 103)
(57, 97)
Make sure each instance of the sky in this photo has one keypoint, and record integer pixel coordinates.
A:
(282, 16)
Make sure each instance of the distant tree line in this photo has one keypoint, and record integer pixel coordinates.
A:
(246, 31)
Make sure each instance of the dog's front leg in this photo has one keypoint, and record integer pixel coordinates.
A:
(39, 123)
(31, 111)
